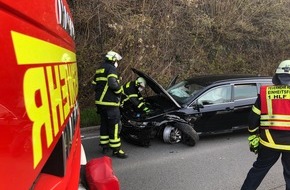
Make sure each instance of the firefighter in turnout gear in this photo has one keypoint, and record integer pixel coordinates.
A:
(107, 99)
(132, 96)
(269, 127)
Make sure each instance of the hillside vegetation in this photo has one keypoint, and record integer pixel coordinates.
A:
(164, 38)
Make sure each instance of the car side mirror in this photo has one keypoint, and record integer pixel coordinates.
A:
(197, 105)
(206, 102)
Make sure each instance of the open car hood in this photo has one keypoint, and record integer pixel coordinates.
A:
(156, 87)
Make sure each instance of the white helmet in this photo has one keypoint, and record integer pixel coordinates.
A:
(113, 56)
(141, 82)
(284, 67)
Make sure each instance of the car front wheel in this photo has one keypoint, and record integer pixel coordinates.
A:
(180, 132)
(172, 135)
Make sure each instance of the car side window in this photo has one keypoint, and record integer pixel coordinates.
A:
(216, 95)
(243, 91)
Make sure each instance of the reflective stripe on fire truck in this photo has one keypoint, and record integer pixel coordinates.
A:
(29, 50)
(50, 88)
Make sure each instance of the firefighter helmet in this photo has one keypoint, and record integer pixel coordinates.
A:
(284, 67)
(113, 56)
(282, 74)
(141, 82)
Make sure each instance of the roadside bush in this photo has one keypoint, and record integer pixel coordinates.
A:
(186, 37)
(89, 117)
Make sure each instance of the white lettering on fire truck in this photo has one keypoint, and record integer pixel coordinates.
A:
(50, 88)
(63, 18)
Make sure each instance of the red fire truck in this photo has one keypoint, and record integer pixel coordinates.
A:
(40, 144)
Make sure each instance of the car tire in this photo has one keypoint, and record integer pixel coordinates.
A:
(171, 134)
(189, 135)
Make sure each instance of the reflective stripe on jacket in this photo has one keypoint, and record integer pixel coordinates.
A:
(275, 117)
(131, 93)
(106, 85)
(275, 107)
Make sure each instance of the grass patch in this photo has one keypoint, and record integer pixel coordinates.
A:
(89, 117)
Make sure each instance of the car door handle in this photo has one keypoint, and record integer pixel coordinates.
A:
(243, 107)
(225, 111)
(228, 109)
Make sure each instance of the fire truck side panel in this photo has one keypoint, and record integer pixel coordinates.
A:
(39, 115)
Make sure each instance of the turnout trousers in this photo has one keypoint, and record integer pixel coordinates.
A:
(267, 157)
(110, 126)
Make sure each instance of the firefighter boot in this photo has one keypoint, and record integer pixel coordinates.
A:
(119, 153)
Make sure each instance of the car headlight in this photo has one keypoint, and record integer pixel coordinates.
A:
(138, 123)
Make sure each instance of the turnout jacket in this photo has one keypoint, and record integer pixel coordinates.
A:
(106, 85)
(132, 95)
(270, 117)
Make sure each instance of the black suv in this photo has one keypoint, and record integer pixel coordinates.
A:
(197, 106)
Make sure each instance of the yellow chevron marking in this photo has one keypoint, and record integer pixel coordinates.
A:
(30, 50)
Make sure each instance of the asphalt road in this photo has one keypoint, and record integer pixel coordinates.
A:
(215, 163)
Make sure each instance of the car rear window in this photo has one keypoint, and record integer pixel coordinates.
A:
(243, 91)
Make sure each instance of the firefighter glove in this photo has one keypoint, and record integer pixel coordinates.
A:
(254, 143)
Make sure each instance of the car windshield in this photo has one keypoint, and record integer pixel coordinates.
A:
(182, 91)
